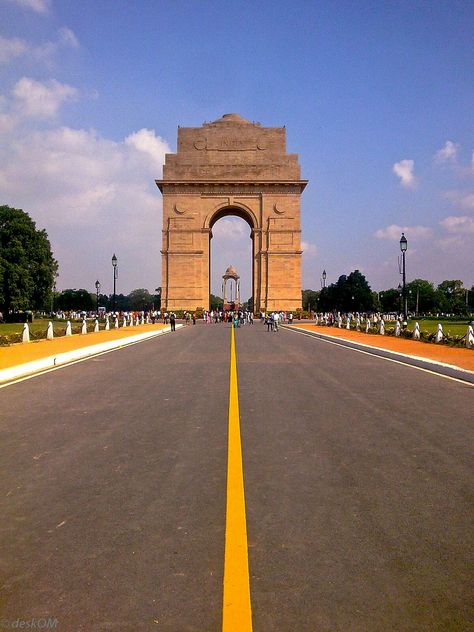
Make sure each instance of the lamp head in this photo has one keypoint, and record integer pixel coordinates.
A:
(114, 260)
(403, 243)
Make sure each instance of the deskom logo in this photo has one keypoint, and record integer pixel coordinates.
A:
(29, 624)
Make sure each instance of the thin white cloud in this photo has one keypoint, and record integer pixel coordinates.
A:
(394, 232)
(39, 6)
(404, 170)
(11, 48)
(310, 250)
(461, 199)
(458, 224)
(67, 37)
(448, 153)
(41, 100)
(231, 228)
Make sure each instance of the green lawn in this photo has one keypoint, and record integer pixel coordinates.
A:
(450, 327)
(11, 332)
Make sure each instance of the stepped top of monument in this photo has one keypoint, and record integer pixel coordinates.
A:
(228, 149)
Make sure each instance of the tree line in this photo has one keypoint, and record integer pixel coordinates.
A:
(352, 293)
(82, 300)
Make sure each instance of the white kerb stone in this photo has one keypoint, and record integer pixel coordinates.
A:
(25, 334)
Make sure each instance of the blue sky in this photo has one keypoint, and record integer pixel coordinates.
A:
(377, 99)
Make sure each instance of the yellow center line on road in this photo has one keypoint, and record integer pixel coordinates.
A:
(236, 608)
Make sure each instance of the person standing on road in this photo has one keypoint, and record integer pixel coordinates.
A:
(173, 321)
(269, 322)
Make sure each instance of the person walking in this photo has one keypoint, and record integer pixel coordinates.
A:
(173, 321)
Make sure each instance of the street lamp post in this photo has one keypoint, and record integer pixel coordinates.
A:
(403, 248)
(114, 264)
(97, 288)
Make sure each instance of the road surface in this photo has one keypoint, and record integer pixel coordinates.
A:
(358, 489)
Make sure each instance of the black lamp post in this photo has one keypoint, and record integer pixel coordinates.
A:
(114, 264)
(97, 288)
(403, 248)
(324, 275)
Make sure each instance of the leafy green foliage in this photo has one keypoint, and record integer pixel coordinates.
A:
(76, 300)
(27, 265)
(215, 302)
(350, 294)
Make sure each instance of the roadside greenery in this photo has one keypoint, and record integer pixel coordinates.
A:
(27, 265)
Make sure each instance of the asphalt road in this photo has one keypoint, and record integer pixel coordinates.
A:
(358, 481)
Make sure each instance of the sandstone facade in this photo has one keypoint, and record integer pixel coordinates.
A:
(231, 167)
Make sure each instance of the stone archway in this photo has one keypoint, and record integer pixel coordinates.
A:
(231, 167)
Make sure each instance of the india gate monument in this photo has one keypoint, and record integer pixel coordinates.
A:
(231, 167)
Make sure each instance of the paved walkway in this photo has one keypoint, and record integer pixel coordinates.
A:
(454, 356)
(25, 358)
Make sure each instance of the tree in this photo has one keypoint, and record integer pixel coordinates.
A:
(350, 294)
(76, 300)
(215, 302)
(140, 299)
(451, 297)
(421, 294)
(389, 301)
(310, 299)
(27, 266)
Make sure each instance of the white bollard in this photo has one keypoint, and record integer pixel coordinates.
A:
(470, 337)
(339, 322)
(348, 322)
(68, 329)
(316, 319)
(358, 323)
(397, 328)
(382, 327)
(107, 323)
(116, 323)
(25, 335)
(439, 334)
(96, 326)
(124, 321)
(143, 320)
(84, 327)
(416, 332)
(50, 332)
(367, 325)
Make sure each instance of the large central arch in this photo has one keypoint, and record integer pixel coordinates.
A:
(231, 167)
(244, 213)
